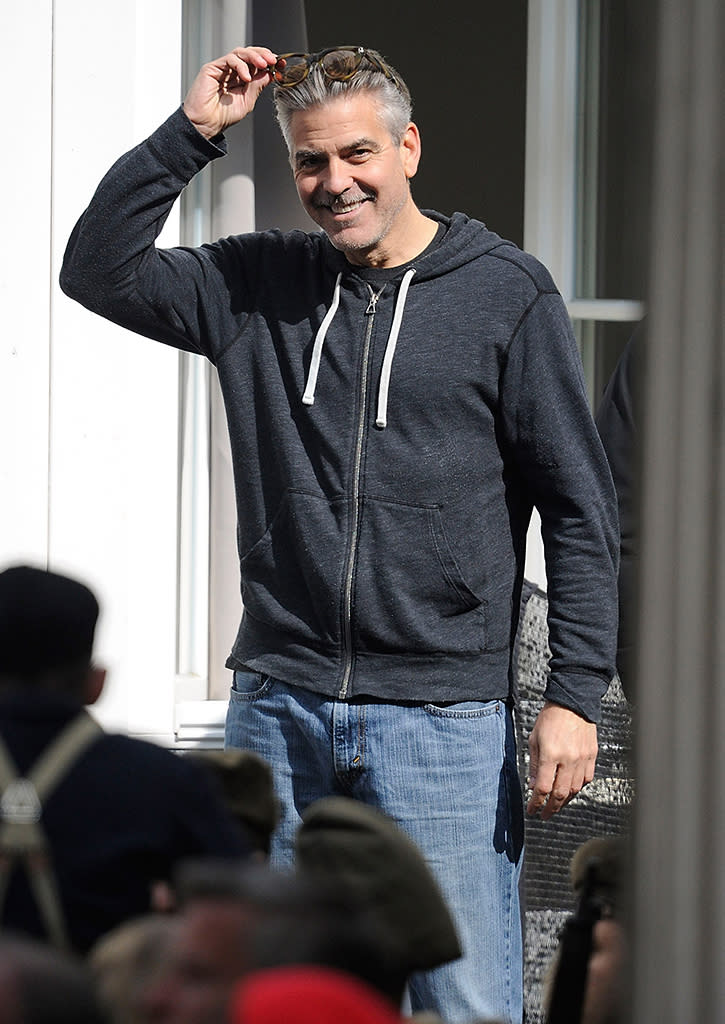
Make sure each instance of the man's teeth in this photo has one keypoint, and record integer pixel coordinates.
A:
(343, 207)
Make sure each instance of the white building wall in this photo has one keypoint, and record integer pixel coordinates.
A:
(88, 412)
(25, 75)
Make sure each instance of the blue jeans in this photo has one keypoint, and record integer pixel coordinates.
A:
(448, 777)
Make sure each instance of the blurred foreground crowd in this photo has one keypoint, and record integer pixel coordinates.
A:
(135, 885)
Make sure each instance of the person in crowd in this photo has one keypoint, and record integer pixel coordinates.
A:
(402, 388)
(246, 784)
(232, 920)
(362, 851)
(42, 985)
(309, 995)
(125, 962)
(588, 976)
(89, 820)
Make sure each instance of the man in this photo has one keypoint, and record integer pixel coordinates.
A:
(348, 844)
(232, 921)
(586, 980)
(246, 784)
(41, 985)
(401, 388)
(112, 815)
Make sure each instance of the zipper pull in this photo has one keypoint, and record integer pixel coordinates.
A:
(374, 296)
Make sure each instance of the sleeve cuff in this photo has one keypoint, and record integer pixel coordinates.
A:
(579, 693)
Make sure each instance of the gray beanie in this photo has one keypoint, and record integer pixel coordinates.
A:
(351, 844)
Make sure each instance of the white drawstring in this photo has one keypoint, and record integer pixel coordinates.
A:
(308, 397)
(382, 417)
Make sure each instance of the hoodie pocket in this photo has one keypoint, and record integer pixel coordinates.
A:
(291, 578)
(410, 594)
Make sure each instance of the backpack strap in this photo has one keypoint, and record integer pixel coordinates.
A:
(22, 836)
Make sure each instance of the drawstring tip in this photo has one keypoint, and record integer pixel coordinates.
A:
(308, 399)
(381, 423)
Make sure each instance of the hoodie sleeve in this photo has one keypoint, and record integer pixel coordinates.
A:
(111, 264)
(562, 466)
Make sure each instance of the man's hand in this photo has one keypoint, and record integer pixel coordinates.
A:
(226, 89)
(562, 756)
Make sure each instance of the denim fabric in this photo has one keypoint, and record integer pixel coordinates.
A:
(448, 776)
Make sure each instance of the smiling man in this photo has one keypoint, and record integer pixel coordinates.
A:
(353, 178)
(402, 388)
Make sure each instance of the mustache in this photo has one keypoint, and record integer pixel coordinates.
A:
(341, 202)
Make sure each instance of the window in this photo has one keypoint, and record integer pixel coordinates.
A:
(586, 193)
(611, 195)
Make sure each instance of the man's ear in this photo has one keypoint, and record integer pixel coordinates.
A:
(410, 150)
(95, 681)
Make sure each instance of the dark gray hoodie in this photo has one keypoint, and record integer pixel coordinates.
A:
(388, 442)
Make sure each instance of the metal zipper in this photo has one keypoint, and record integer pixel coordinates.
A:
(352, 553)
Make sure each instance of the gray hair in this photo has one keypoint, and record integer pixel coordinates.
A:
(392, 98)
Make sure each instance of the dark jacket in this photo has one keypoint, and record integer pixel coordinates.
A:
(386, 466)
(122, 818)
(618, 420)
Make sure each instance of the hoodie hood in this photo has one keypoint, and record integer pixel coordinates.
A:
(465, 240)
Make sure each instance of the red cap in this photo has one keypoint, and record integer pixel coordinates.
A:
(309, 995)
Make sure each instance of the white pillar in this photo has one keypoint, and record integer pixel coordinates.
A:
(235, 202)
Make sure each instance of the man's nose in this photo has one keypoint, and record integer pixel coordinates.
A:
(337, 177)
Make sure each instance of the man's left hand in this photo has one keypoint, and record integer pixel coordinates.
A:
(562, 755)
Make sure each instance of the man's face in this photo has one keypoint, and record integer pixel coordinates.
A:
(353, 179)
(206, 959)
(605, 974)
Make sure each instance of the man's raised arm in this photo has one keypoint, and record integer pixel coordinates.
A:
(112, 265)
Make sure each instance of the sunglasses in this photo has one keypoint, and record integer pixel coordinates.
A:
(338, 63)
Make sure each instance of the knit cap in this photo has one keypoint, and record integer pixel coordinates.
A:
(309, 995)
(362, 850)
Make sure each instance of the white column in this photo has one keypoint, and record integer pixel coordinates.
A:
(234, 211)
(551, 91)
(25, 275)
(113, 439)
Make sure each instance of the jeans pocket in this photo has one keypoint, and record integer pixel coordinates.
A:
(249, 685)
(464, 708)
